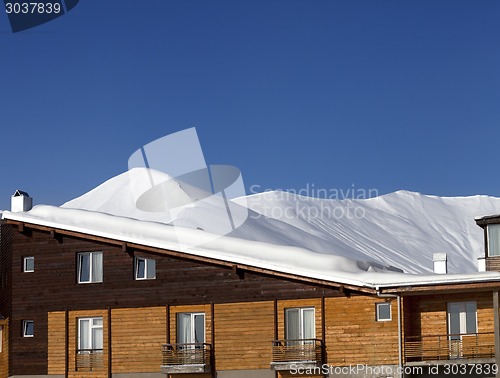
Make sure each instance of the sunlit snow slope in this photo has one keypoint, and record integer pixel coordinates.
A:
(401, 229)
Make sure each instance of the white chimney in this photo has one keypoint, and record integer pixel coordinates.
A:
(20, 201)
(481, 264)
(440, 263)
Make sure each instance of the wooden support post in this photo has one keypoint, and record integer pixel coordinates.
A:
(275, 327)
(168, 324)
(496, 323)
(212, 335)
(323, 332)
(110, 356)
(66, 343)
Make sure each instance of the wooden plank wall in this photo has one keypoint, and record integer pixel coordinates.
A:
(354, 336)
(243, 335)
(429, 313)
(137, 336)
(4, 353)
(53, 287)
(57, 342)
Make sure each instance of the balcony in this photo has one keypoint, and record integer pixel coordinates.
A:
(303, 353)
(89, 360)
(474, 347)
(186, 358)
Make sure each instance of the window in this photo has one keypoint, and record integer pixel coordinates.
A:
(90, 335)
(29, 264)
(28, 328)
(300, 323)
(493, 240)
(89, 267)
(462, 319)
(383, 312)
(145, 269)
(190, 328)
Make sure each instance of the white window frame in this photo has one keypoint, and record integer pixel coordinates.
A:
(463, 323)
(149, 265)
(193, 316)
(92, 274)
(90, 336)
(301, 311)
(25, 264)
(493, 241)
(25, 328)
(378, 312)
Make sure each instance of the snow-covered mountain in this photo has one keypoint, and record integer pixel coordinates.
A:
(401, 229)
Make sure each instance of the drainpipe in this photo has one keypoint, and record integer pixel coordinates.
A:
(400, 328)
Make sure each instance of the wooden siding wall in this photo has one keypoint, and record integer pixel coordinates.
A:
(354, 336)
(243, 335)
(429, 313)
(53, 287)
(57, 342)
(4, 352)
(493, 263)
(137, 336)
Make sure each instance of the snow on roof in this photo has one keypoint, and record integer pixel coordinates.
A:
(402, 229)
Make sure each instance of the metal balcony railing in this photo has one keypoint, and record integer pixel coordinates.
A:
(301, 350)
(89, 359)
(186, 354)
(449, 347)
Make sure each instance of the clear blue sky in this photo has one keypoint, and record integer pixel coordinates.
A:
(376, 94)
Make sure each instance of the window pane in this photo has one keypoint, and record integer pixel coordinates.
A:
(292, 324)
(471, 323)
(151, 268)
(383, 311)
(199, 328)
(97, 338)
(29, 264)
(183, 328)
(140, 268)
(28, 328)
(84, 334)
(97, 266)
(309, 326)
(494, 240)
(84, 267)
(454, 320)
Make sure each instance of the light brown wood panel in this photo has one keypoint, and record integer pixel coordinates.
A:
(4, 350)
(243, 335)
(57, 342)
(137, 338)
(354, 336)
